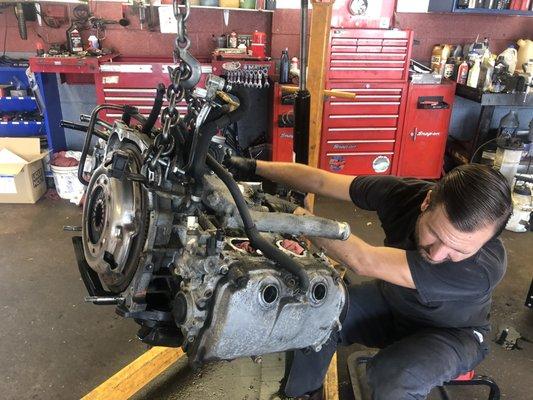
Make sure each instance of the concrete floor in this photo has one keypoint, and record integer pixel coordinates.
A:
(54, 346)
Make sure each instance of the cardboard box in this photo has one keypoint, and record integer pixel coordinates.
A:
(21, 170)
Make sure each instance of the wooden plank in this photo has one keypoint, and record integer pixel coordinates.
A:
(316, 77)
(331, 383)
(133, 377)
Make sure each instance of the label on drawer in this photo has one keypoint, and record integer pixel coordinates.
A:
(113, 80)
(336, 163)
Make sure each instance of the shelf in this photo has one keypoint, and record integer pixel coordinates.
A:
(224, 8)
(494, 99)
(491, 11)
(21, 128)
(8, 104)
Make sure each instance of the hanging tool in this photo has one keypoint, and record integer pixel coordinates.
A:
(21, 19)
(302, 102)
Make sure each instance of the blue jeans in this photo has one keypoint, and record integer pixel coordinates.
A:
(412, 359)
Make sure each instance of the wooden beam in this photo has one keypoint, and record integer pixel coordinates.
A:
(133, 377)
(316, 77)
(331, 383)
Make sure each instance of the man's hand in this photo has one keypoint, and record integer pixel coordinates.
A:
(243, 169)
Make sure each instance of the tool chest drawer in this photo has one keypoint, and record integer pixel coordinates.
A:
(358, 133)
(358, 145)
(354, 163)
(369, 54)
(377, 105)
(134, 84)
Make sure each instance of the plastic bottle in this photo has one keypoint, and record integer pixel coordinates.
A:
(508, 124)
(509, 57)
(436, 57)
(94, 43)
(284, 67)
(74, 42)
(462, 73)
(473, 74)
(449, 68)
(485, 75)
(525, 52)
(445, 54)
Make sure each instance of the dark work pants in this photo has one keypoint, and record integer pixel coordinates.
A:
(411, 362)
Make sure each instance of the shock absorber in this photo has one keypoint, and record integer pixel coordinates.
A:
(19, 12)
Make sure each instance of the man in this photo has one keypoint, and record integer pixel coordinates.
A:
(428, 309)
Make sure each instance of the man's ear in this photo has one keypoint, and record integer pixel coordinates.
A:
(425, 203)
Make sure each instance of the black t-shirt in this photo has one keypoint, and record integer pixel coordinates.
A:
(449, 294)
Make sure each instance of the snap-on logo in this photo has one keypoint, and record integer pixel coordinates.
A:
(428, 134)
(344, 146)
(286, 135)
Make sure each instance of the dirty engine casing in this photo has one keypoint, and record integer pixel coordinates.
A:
(172, 253)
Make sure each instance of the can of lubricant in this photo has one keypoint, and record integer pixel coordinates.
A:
(259, 44)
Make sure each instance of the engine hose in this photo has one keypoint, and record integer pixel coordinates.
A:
(209, 129)
(256, 240)
(89, 135)
(156, 109)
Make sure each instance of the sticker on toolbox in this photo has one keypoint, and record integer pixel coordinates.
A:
(336, 163)
(381, 164)
(106, 80)
(7, 185)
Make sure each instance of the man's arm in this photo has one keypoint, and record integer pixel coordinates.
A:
(385, 263)
(306, 179)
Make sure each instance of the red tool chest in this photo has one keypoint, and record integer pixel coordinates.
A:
(369, 54)
(425, 129)
(362, 136)
(134, 83)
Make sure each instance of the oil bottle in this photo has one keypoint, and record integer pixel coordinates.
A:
(473, 74)
(462, 73)
(74, 41)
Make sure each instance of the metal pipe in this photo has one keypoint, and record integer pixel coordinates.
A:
(296, 225)
(303, 44)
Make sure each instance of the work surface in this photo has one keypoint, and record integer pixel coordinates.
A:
(56, 346)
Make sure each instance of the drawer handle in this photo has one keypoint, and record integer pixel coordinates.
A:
(414, 134)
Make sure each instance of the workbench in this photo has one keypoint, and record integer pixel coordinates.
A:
(489, 102)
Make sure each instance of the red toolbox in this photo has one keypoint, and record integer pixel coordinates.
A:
(134, 83)
(360, 136)
(425, 130)
(369, 54)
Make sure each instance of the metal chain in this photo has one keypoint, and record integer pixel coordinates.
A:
(175, 92)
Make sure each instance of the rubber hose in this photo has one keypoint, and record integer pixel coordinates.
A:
(88, 136)
(209, 129)
(156, 109)
(281, 259)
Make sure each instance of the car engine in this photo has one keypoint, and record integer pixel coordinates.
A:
(197, 259)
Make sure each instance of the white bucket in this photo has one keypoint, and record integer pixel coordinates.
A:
(67, 183)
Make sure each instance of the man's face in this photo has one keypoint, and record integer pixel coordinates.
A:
(439, 241)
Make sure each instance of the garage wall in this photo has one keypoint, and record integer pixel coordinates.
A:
(131, 40)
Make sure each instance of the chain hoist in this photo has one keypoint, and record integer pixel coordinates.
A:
(183, 77)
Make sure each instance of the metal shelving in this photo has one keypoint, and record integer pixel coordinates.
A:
(22, 104)
(450, 6)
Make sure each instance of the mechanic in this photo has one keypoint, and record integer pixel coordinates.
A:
(428, 309)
